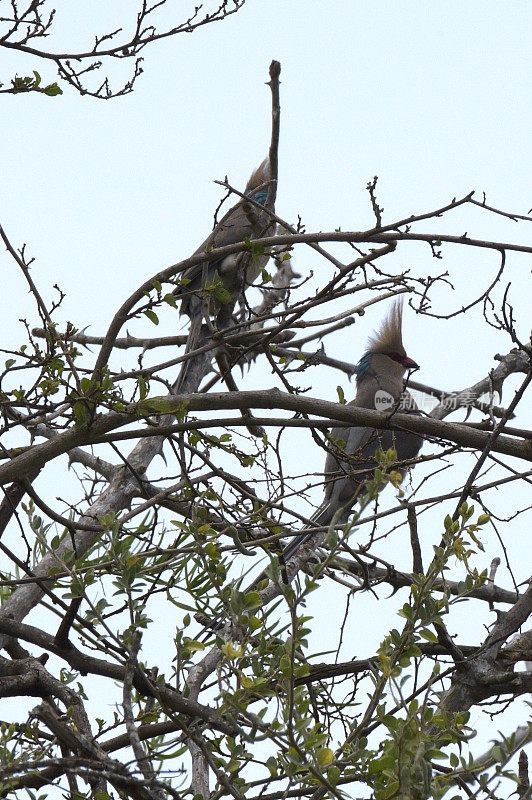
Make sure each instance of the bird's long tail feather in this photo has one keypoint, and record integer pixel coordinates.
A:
(184, 378)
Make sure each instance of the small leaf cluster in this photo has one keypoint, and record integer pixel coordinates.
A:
(93, 393)
(29, 84)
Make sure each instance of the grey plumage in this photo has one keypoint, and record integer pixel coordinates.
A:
(236, 271)
(380, 374)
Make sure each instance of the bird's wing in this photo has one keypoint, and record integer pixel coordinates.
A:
(241, 221)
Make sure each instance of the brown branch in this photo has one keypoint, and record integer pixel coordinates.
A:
(143, 762)
(320, 672)
(12, 496)
(270, 241)
(124, 343)
(85, 664)
(273, 83)
(403, 580)
(462, 435)
(483, 676)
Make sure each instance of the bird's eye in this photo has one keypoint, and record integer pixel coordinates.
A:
(396, 357)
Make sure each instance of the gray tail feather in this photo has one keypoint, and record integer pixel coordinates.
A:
(322, 516)
(330, 511)
(196, 321)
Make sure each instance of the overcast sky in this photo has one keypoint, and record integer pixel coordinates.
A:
(433, 97)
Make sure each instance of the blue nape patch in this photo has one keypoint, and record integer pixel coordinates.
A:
(259, 196)
(363, 366)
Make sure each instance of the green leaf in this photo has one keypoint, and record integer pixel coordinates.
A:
(144, 387)
(232, 651)
(438, 754)
(222, 295)
(252, 601)
(81, 413)
(162, 406)
(271, 763)
(325, 755)
(463, 510)
(333, 774)
(257, 249)
(195, 646)
(37, 78)
(152, 315)
(498, 754)
(428, 635)
(86, 385)
(341, 396)
(52, 90)
(171, 299)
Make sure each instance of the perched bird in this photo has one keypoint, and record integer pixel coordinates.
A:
(379, 373)
(237, 271)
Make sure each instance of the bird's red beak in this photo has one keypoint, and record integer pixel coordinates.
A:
(409, 364)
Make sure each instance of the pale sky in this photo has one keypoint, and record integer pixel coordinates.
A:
(432, 97)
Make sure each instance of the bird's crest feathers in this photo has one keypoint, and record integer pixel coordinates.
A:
(389, 339)
(261, 175)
